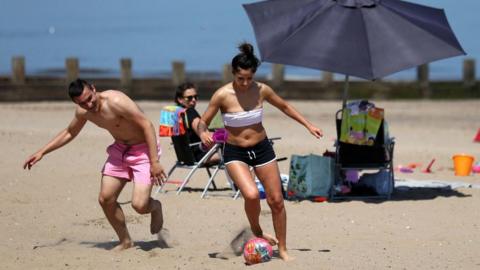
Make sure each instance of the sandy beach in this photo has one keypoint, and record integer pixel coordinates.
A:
(50, 217)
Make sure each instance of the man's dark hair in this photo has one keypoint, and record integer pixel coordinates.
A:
(181, 89)
(76, 87)
(246, 59)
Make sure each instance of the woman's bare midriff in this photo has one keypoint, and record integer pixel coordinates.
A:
(246, 136)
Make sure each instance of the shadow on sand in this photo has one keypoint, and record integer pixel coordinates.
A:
(399, 194)
(143, 245)
(226, 256)
(199, 190)
(163, 241)
(424, 193)
(407, 194)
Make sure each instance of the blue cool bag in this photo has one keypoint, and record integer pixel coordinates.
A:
(310, 176)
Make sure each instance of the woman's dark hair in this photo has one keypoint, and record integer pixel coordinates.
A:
(181, 89)
(75, 88)
(246, 59)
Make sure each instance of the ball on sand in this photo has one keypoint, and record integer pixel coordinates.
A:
(257, 250)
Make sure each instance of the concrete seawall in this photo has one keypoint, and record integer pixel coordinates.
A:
(45, 88)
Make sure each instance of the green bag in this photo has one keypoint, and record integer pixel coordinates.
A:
(310, 176)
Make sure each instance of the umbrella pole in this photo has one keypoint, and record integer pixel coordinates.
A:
(345, 92)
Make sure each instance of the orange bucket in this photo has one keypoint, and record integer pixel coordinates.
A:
(462, 164)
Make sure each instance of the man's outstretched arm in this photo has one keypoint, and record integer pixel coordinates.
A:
(62, 138)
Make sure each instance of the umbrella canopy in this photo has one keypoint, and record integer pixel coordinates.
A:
(363, 38)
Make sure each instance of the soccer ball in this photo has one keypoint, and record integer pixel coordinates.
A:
(257, 250)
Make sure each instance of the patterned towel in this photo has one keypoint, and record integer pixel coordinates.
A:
(172, 122)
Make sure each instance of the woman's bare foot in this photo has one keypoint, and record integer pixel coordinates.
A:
(284, 256)
(271, 240)
(123, 245)
(156, 223)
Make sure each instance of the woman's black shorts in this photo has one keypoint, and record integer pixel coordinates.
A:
(258, 155)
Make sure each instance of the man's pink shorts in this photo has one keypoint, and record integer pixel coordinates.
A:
(129, 162)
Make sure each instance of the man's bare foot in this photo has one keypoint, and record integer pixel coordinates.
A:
(122, 246)
(284, 256)
(271, 240)
(156, 223)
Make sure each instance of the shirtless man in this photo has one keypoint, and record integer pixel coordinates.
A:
(134, 155)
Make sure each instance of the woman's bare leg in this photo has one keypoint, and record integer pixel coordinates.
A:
(240, 173)
(269, 176)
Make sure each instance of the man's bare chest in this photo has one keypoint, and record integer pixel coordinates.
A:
(108, 121)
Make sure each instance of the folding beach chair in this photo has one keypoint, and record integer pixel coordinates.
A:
(186, 160)
(375, 155)
(173, 125)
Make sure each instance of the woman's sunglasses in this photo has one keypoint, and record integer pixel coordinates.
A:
(190, 98)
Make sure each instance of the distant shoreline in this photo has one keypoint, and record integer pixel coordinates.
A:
(104, 73)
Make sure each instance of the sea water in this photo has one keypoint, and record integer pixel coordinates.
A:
(153, 33)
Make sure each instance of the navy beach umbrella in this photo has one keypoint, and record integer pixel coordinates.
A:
(363, 38)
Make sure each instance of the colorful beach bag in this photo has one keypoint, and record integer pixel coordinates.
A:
(172, 121)
(361, 121)
(310, 176)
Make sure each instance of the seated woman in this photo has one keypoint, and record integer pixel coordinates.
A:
(186, 97)
(241, 105)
